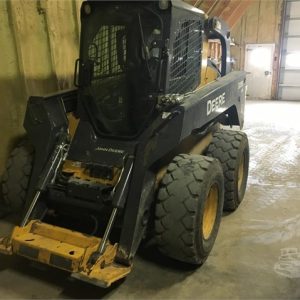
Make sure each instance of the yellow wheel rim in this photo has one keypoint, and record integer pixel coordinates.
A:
(241, 172)
(210, 211)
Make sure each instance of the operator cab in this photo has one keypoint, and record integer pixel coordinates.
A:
(133, 53)
(119, 65)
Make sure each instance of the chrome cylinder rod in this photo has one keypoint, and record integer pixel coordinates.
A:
(107, 231)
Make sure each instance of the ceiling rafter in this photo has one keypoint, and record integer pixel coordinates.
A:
(238, 12)
(228, 10)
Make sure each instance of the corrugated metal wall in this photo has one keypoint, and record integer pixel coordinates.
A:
(39, 43)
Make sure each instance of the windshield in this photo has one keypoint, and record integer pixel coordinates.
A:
(120, 54)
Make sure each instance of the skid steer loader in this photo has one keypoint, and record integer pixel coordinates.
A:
(136, 150)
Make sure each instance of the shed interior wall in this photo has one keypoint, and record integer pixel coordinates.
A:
(39, 43)
(261, 24)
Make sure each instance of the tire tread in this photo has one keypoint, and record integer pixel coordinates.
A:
(167, 233)
(225, 146)
(16, 176)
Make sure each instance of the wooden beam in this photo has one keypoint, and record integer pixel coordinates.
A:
(191, 2)
(219, 8)
(198, 3)
(212, 7)
(228, 10)
(206, 5)
(231, 6)
(238, 12)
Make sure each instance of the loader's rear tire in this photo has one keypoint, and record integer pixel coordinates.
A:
(189, 208)
(17, 174)
(231, 148)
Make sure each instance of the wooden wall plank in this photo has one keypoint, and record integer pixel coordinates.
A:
(11, 86)
(32, 42)
(63, 40)
(267, 17)
(77, 6)
(260, 25)
(39, 42)
(237, 12)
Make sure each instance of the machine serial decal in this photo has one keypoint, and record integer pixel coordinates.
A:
(110, 150)
(214, 104)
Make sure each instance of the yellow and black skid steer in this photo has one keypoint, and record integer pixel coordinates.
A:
(136, 149)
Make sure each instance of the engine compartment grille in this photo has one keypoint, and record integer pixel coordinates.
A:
(186, 61)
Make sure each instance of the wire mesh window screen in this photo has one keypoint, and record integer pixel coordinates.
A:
(185, 72)
(104, 51)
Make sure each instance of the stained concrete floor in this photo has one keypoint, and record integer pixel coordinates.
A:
(257, 252)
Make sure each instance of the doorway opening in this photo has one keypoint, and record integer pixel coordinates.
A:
(259, 60)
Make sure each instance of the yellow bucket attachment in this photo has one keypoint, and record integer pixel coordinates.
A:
(65, 249)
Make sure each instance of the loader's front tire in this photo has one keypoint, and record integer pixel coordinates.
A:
(189, 208)
(231, 148)
(16, 176)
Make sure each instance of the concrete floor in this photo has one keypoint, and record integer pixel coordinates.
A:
(246, 261)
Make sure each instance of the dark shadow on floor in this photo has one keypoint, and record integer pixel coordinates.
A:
(151, 254)
(72, 288)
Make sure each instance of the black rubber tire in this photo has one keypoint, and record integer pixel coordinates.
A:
(15, 179)
(180, 208)
(229, 147)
